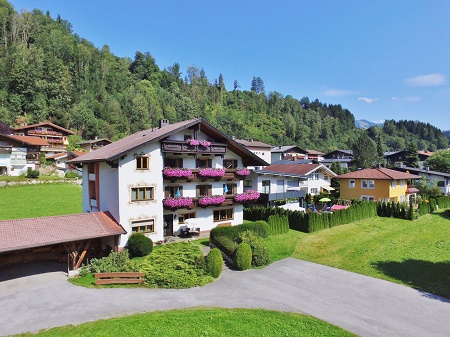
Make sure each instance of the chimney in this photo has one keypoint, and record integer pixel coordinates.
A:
(163, 122)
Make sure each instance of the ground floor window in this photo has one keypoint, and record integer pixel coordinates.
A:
(143, 226)
(185, 216)
(368, 198)
(224, 214)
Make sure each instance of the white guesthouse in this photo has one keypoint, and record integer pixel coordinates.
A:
(154, 180)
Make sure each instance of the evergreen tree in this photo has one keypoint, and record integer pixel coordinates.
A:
(364, 151)
(412, 155)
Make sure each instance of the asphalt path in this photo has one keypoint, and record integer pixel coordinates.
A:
(363, 305)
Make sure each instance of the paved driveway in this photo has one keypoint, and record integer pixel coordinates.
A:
(363, 305)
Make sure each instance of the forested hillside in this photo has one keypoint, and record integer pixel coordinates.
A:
(49, 73)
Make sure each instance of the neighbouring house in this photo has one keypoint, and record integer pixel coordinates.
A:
(379, 184)
(289, 180)
(343, 157)
(64, 238)
(153, 181)
(441, 179)
(397, 159)
(290, 152)
(315, 155)
(19, 153)
(261, 149)
(56, 136)
(60, 161)
(94, 144)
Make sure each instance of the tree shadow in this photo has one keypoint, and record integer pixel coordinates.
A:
(432, 278)
(445, 214)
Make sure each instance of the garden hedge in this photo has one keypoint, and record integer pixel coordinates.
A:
(243, 258)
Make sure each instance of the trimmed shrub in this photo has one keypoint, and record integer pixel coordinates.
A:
(71, 175)
(260, 254)
(33, 174)
(278, 224)
(114, 262)
(226, 245)
(139, 245)
(243, 259)
(214, 263)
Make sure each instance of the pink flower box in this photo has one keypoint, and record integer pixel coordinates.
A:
(178, 202)
(205, 143)
(193, 142)
(211, 172)
(243, 172)
(174, 172)
(211, 200)
(247, 196)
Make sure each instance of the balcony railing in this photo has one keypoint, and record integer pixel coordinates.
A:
(266, 197)
(37, 132)
(230, 174)
(228, 201)
(180, 146)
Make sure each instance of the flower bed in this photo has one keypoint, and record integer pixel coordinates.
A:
(178, 202)
(211, 200)
(247, 196)
(174, 172)
(211, 172)
(242, 172)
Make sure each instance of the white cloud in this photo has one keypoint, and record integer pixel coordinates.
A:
(430, 80)
(406, 99)
(367, 99)
(338, 92)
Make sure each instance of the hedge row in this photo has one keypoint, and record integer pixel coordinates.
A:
(313, 222)
(444, 202)
(260, 228)
(278, 224)
(395, 210)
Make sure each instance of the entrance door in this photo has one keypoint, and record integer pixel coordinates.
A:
(168, 225)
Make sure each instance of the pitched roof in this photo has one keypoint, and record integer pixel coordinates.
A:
(251, 142)
(37, 232)
(377, 174)
(315, 152)
(423, 171)
(298, 170)
(29, 140)
(288, 148)
(93, 141)
(121, 147)
(32, 126)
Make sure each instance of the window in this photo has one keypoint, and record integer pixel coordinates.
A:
(402, 183)
(230, 163)
(266, 186)
(247, 183)
(402, 198)
(351, 183)
(204, 190)
(371, 183)
(143, 226)
(393, 184)
(204, 163)
(173, 162)
(141, 193)
(141, 162)
(185, 216)
(367, 198)
(326, 178)
(441, 183)
(367, 184)
(173, 191)
(223, 214)
(229, 189)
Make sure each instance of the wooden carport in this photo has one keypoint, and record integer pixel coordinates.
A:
(75, 233)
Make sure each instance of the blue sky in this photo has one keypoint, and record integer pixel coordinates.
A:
(380, 59)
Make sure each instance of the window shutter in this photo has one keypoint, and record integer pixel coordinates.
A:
(209, 163)
(234, 188)
(181, 190)
(235, 163)
(197, 190)
(209, 190)
(167, 192)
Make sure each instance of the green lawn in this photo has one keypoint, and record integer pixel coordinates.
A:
(414, 253)
(29, 201)
(204, 322)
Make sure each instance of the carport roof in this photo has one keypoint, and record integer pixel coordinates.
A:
(37, 232)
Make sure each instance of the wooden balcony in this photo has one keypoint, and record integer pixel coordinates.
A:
(229, 201)
(230, 174)
(179, 146)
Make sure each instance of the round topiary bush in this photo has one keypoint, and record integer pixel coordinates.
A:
(139, 245)
(243, 257)
(214, 263)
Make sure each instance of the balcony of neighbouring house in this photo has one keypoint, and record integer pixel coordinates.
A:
(39, 133)
(266, 197)
(193, 146)
(173, 174)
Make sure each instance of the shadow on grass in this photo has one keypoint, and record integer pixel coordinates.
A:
(430, 277)
(445, 214)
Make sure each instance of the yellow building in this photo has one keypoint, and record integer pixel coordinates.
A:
(379, 184)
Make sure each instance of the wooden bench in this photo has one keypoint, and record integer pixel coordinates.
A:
(119, 278)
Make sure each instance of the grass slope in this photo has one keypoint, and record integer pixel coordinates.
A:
(29, 201)
(204, 322)
(414, 253)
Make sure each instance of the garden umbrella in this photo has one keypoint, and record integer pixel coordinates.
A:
(325, 200)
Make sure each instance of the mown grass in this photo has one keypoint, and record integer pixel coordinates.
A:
(29, 201)
(203, 322)
(414, 253)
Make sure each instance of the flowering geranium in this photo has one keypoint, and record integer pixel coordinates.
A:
(177, 172)
(205, 143)
(177, 202)
(242, 171)
(249, 195)
(211, 172)
(211, 200)
(193, 142)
